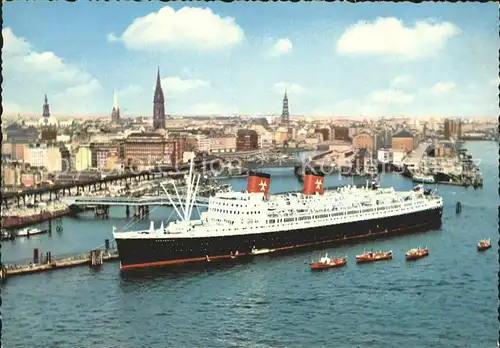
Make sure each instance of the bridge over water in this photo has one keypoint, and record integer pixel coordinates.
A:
(129, 201)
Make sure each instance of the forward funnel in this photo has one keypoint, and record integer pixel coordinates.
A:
(259, 183)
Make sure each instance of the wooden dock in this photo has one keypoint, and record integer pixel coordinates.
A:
(94, 258)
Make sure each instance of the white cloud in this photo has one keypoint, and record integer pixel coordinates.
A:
(187, 28)
(13, 45)
(495, 81)
(43, 72)
(79, 98)
(281, 47)
(401, 80)
(176, 84)
(391, 96)
(390, 36)
(291, 88)
(112, 37)
(442, 87)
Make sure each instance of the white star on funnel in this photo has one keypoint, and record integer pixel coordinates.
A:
(262, 185)
(318, 184)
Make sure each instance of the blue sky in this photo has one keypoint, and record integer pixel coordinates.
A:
(335, 59)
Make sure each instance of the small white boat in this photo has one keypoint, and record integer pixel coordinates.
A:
(26, 232)
(425, 179)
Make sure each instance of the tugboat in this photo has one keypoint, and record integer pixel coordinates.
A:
(326, 262)
(373, 256)
(483, 244)
(417, 253)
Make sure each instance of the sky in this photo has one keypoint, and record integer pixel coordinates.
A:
(334, 59)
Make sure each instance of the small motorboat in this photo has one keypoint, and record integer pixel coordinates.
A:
(484, 244)
(26, 232)
(327, 262)
(417, 253)
(373, 256)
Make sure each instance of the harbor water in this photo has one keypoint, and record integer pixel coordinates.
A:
(448, 299)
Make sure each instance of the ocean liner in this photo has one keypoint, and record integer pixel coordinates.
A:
(253, 222)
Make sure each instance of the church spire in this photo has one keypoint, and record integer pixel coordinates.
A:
(46, 108)
(159, 105)
(115, 99)
(115, 112)
(158, 98)
(285, 115)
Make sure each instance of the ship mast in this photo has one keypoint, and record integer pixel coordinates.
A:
(192, 190)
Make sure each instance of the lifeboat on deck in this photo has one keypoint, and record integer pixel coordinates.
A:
(327, 262)
(373, 256)
(417, 253)
(484, 244)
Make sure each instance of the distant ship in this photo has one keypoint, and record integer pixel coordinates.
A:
(424, 179)
(255, 223)
(23, 218)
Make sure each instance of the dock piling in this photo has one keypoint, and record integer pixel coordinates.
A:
(35, 256)
(106, 244)
(458, 208)
(96, 258)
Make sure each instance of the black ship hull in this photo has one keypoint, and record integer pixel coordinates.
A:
(149, 252)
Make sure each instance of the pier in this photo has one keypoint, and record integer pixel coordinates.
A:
(45, 262)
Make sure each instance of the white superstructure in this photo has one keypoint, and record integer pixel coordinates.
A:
(238, 213)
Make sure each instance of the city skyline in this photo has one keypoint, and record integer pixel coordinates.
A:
(438, 61)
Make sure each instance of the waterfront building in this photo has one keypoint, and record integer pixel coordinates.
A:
(265, 140)
(31, 179)
(398, 155)
(216, 143)
(325, 132)
(149, 149)
(11, 173)
(67, 160)
(365, 139)
(43, 156)
(403, 140)
(247, 140)
(203, 143)
(341, 133)
(83, 158)
(19, 151)
(17, 134)
(281, 135)
(385, 155)
(112, 161)
(159, 105)
(100, 151)
(223, 144)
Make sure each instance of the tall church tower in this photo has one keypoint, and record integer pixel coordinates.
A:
(115, 113)
(159, 105)
(46, 109)
(285, 115)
